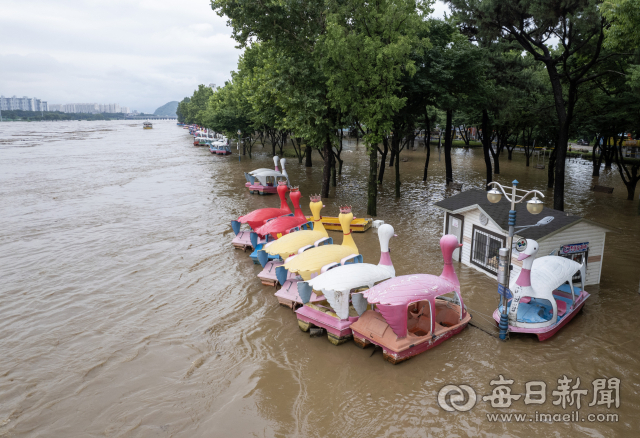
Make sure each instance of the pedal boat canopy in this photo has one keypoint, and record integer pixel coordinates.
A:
(311, 261)
(393, 297)
(290, 244)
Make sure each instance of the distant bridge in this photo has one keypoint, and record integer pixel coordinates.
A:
(148, 117)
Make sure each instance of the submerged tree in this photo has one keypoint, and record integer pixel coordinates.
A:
(367, 51)
(579, 30)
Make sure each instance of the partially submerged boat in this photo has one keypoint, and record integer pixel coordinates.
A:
(309, 262)
(266, 181)
(147, 125)
(258, 217)
(358, 225)
(223, 149)
(342, 287)
(247, 175)
(411, 314)
(284, 225)
(280, 226)
(274, 253)
(544, 298)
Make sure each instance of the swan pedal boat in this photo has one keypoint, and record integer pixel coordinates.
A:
(342, 286)
(248, 175)
(215, 145)
(411, 314)
(257, 218)
(224, 149)
(544, 298)
(280, 226)
(310, 261)
(273, 254)
(266, 181)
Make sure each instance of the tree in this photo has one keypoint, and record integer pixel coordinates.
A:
(181, 111)
(289, 32)
(197, 105)
(579, 30)
(366, 51)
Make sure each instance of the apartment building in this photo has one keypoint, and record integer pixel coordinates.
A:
(23, 103)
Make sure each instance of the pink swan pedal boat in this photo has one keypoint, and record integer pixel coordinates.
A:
(340, 285)
(257, 218)
(411, 314)
(544, 297)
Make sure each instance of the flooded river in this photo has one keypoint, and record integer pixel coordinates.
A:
(125, 311)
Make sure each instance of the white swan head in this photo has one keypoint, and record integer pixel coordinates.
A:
(282, 163)
(529, 254)
(385, 233)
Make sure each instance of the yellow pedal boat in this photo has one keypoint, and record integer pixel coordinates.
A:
(313, 260)
(292, 243)
(358, 225)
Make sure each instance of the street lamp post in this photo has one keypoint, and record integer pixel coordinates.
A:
(534, 206)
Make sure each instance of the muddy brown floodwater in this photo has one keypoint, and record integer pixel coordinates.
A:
(125, 311)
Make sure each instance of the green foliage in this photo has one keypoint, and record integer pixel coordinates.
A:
(522, 71)
(623, 33)
(197, 106)
(367, 51)
(181, 110)
(16, 115)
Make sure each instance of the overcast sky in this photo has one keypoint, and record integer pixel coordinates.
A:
(137, 53)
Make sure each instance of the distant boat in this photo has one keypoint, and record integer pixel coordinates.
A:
(147, 125)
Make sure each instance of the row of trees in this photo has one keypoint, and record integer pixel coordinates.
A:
(519, 72)
(55, 115)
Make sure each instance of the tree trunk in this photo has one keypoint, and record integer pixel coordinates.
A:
(372, 189)
(307, 154)
(383, 159)
(629, 178)
(486, 145)
(447, 148)
(393, 154)
(551, 169)
(334, 180)
(609, 152)
(596, 158)
(326, 170)
(510, 150)
(496, 155)
(427, 145)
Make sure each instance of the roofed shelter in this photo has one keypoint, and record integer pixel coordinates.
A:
(483, 228)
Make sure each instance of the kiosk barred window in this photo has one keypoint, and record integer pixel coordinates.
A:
(484, 249)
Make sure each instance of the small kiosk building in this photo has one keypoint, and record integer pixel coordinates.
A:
(483, 228)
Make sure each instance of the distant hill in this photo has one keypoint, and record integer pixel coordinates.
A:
(168, 109)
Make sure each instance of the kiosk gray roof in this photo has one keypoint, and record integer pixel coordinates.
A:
(499, 213)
